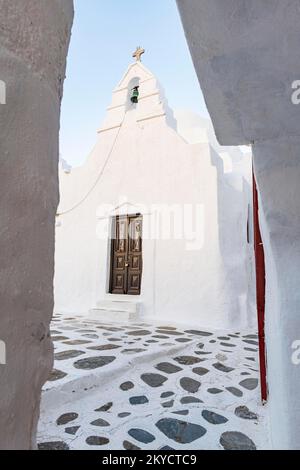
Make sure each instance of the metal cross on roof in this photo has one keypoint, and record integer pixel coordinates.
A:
(138, 53)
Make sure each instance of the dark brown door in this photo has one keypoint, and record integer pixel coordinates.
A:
(126, 255)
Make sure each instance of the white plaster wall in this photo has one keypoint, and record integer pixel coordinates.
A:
(234, 192)
(247, 56)
(150, 164)
(34, 37)
(280, 226)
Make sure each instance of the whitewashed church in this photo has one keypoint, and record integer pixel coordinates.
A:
(157, 223)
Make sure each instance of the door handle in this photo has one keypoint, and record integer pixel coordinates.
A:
(126, 265)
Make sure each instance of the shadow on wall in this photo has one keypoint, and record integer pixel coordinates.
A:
(236, 248)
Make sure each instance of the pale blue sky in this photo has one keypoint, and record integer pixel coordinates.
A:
(105, 34)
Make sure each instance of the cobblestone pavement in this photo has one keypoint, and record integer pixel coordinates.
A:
(140, 386)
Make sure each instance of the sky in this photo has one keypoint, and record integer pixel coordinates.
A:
(105, 34)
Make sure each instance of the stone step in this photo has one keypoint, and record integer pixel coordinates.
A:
(115, 310)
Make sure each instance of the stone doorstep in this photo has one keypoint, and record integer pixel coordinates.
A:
(111, 316)
(115, 311)
(119, 305)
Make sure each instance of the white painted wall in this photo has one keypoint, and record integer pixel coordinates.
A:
(234, 189)
(34, 37)
(247, 56)
(280, 226)
(147, 162)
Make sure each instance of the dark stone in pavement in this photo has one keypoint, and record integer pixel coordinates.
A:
(138, 400)
(168, 368)
(129, 446)
(235, 391)
(188, 400)
(250, 341)
(166, 394)
(64, 355)
(66, 418)
(124, 415)
(139, 333)
(190, 385)
(90, 363)
(154, 380)
(167, 328)
(133, 351)
(244, 413)
(104, 347)
(200, 370)
(171, 332)
(105, 407)
(180, 431)
(198, 333)
(221, 367)
(100, 422)
(236, 441)
(249, 384)
(168, 404)
(214, 391)
(55, 445)
(97, 441)
(59, 338)
(56, 375)
(76, 342)
(126, 386)
(187, 360)
(141, 436)
(213, 418)
(72, 430)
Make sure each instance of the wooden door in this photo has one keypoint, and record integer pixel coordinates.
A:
(126, 255)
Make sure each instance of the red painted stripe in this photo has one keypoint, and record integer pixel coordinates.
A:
(260, 292)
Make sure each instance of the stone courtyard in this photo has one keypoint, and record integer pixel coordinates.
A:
(141, 386)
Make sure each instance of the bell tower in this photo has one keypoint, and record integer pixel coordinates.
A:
(138, 91)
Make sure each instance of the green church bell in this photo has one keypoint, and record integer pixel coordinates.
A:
(135, 94)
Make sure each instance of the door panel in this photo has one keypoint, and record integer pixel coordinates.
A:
(126, 255)
(134, 255)
(119, 245)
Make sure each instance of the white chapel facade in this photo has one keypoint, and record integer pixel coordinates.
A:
(141, 225)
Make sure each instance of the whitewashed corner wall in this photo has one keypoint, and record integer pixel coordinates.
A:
(247, 56)
(277, 171)
(34, 38)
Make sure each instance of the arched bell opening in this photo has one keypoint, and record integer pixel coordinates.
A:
(133, 93)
